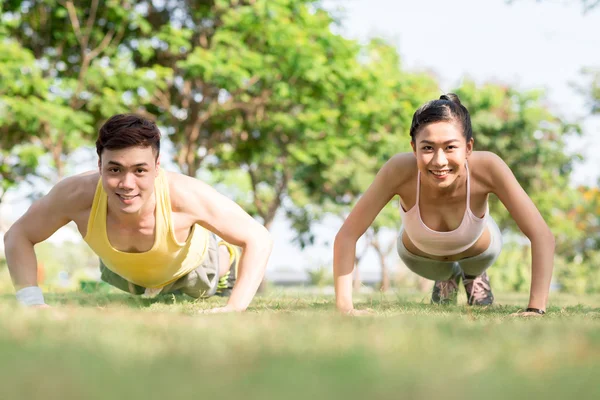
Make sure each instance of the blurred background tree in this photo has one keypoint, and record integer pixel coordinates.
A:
(266, 101)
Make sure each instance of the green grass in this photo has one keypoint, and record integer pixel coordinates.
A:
(292, 345)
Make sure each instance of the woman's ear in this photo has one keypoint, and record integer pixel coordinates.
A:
(470, 144)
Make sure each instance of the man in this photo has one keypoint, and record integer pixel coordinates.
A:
(153, 230)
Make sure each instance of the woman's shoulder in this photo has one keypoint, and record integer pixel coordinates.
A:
(484, 167)
(483, 160)
(403, 162)
(401, 167)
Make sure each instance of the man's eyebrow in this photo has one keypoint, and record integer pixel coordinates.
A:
(143, 164)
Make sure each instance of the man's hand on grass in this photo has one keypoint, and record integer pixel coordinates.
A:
(40, 306)
(358, 313)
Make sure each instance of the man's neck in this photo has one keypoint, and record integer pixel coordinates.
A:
(135, 219)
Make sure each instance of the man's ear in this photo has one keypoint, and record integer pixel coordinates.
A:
(414, 147)
(100, 165)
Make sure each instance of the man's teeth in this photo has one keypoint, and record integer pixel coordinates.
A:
(440, 173)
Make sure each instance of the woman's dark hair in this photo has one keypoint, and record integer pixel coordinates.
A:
(128, 130)
(447, 108)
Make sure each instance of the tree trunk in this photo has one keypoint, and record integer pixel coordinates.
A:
(385, 277)
(382, 253)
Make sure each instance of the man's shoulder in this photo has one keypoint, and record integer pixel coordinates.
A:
(184, 190)
(77, 191)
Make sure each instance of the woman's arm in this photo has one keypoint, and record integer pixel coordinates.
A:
(531, 223)
(381, 191)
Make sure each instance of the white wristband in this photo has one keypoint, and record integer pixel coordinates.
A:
(30, 296)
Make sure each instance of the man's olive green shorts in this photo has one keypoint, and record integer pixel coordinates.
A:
(198, 283)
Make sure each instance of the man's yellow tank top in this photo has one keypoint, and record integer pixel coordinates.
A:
(167, 260)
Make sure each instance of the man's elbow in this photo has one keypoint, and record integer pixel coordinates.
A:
(15, 237)
(10, 237)
(261, 238)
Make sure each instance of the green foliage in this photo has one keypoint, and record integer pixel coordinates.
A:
(518, 127)
(73, 259)
(16, 164)
(592, 90)
(512, 270)
(580, 275)
(321, 276)
(288, 116)
(63, 70)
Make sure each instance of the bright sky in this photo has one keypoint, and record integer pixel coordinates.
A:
(527, 44)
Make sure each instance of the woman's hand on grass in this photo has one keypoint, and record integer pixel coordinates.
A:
(219, 310)
(525, 314)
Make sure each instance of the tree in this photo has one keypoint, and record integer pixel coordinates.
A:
(69, 72)
(20, 81)
(518, 127)
(381, 121)
(592, 92)
(254, 85)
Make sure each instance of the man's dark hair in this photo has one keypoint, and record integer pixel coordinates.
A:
(128, 130)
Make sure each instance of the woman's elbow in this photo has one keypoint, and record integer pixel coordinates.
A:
(344, 237)
(544, 237)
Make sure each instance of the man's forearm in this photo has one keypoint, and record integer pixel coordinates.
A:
(251, 271)
(21, 259)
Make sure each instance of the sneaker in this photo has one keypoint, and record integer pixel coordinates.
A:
(446, 292)
(227, 281)
(479, 291)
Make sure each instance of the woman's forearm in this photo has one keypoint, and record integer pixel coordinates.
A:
(542, 264)
(344, 250)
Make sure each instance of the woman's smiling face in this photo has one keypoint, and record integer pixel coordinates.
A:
(441, 150)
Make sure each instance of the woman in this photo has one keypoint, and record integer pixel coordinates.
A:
(447, 233)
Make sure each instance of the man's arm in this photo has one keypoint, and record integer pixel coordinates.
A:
(531, 223)
(41, 220)
(224, 217)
